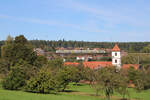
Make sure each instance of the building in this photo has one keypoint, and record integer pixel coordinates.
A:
(84, 58)
(116, 57)
(116, 61)
(39, 51)
(80, 58)
(79, 51)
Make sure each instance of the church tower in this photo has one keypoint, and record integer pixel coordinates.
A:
(116, 57)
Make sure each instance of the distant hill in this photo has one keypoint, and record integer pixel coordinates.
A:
(127, 46)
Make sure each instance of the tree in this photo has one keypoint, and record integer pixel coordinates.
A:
(122, 82)
(43, 82)
(15, 79)
(6, 49)
(79, 73)
(56, 63)
(147, 81)
(140, 79)
(65, 75)
(146, 49)
(40, 61)
(19, 49)
(76, 74)
(108, 80)
(4, 67)
(20, 40)
(29, 70)
(102, 80)
(129, 59)
(17, 62)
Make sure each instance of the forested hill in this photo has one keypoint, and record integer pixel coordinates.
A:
(127, 46)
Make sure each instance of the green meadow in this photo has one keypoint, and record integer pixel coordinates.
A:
(82, 92)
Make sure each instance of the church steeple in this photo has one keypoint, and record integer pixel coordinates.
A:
(116, 48)
(116, 57)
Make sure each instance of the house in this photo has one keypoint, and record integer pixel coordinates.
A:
(116, 61)
(79, 51)
(97, 64)
(84, 58)
(39, 51)
(80, 58)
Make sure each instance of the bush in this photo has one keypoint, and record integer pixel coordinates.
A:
(15, 79)
(43, 82)
(56, 63)
(140, 78)
(64, 76)
(4, 67)
(106, 59)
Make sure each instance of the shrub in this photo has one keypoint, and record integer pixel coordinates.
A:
(43, 82)
(15, 79)
(68, 74)
(64, 76)
(56, 63)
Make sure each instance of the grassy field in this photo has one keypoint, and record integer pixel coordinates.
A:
(83, 92)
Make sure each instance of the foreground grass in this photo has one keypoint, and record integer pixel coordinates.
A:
(144, 95)
(9, 95)
(134, 95)
(20, 95)
(83, 92)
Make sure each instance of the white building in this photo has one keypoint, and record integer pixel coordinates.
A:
(80, 58)
(116, 57)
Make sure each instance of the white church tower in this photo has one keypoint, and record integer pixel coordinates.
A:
(116, 57)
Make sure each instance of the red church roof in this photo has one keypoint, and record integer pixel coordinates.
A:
(116, 48)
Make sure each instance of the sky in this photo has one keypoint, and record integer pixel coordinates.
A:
(81, 20)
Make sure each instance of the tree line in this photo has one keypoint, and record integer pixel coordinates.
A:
(127, 46)
(51, 45)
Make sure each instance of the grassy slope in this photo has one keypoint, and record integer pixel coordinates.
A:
(83, 92)
(144, 95)
(19, 95)
(9, 95)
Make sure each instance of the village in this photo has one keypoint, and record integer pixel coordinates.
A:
(74, 50)
(94, 59)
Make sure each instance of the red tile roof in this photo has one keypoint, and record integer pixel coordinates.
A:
(96, 64)
(116, 48)
(91, 64)
(71, 63)
(126, 66)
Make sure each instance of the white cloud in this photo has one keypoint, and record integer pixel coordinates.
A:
(124, 14)
(87, 27)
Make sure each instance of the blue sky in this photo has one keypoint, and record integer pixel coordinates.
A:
(88, 20)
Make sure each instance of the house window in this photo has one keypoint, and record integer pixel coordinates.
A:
(115, 61)
(115, 54)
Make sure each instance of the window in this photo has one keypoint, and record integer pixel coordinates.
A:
(115, 54)
(115, 61)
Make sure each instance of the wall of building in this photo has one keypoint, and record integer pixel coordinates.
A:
(116, 58)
